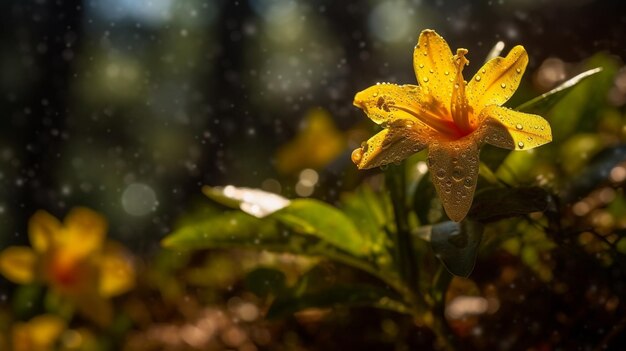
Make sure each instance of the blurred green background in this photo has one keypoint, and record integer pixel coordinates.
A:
(129, 107)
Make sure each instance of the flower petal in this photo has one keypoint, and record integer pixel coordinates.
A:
(117, 274)
(40, 333)
(84, 232)
(386, 103)
(17, 264)
(497, 80)
(434, 66)
(454, 171)
(399, 141)
(509, 129)
(42, 227)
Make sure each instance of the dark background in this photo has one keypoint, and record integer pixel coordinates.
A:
(98, 95)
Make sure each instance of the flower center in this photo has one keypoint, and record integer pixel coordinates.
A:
(459, 107)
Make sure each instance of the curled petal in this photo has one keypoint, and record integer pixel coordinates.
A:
(42, 228)
(84, 232)
(454, 172)
(434, 66)
(509, 129)
(385, 103)
(399, 141)
(497, 80)
(17, 263)
(117, 274)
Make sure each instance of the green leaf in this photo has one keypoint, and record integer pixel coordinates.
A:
(340, 295)
(265, 281)
(595, 173)
(456, 245)
(497, 203)
(370, 212)
(544, 102)
(254, 202)
(312, 217)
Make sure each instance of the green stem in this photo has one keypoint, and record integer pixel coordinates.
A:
(445, 335)
(405, 257)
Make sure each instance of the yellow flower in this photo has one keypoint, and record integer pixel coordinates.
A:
(39, 334)
(73, 259)
(449, 116)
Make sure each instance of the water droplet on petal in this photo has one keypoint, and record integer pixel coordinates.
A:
(357, 155)
(468, 182)
(483, 71)
(425, 79)
(477, 78)
(520, 145)
(431, 71)
(441, 173)
(519, 126)
(518, 70)
(446, 73)
(421, 65)
(457, 173)
(502, 85)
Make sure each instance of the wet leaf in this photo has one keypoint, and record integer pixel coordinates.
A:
(312, 217)
(255, 202)
(338, 296)
(370, 212)
(456, 245)
(596, 172)
(497, 203)
(545, 101)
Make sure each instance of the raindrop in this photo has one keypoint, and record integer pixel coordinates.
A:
(520, 145)
(468, 182)
(502, 85)
(519, 126)
(375, 94)
(421, 65)
(477, 78)
(446, 73)
(483, 71)
(518, 70)
(457, 173)
(357, 155)
(431, 71)
(425, 79)
(441, 173)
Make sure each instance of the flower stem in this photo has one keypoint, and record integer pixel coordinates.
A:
(405, 257)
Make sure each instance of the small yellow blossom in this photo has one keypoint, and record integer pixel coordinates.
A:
(73, 259)
(449, 116)
(39, 334)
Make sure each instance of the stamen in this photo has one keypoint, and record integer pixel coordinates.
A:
(442, 126)
(459, 106)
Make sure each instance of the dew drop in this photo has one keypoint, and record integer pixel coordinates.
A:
(431, 71)
(502, 85)
(457, 173)
(468, 182)
(425, 53)
(519, 126)
(483, 71)
(441, 173)
(375, 94)
(520, 145)
(477, 78)
(357, 155)
(518, 70)
(421, 65)
(425, 79)
(446, 73)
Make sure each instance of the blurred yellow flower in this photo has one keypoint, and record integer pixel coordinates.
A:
(74, 260)
(318, 143)
(39, 334)
(449, 116)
